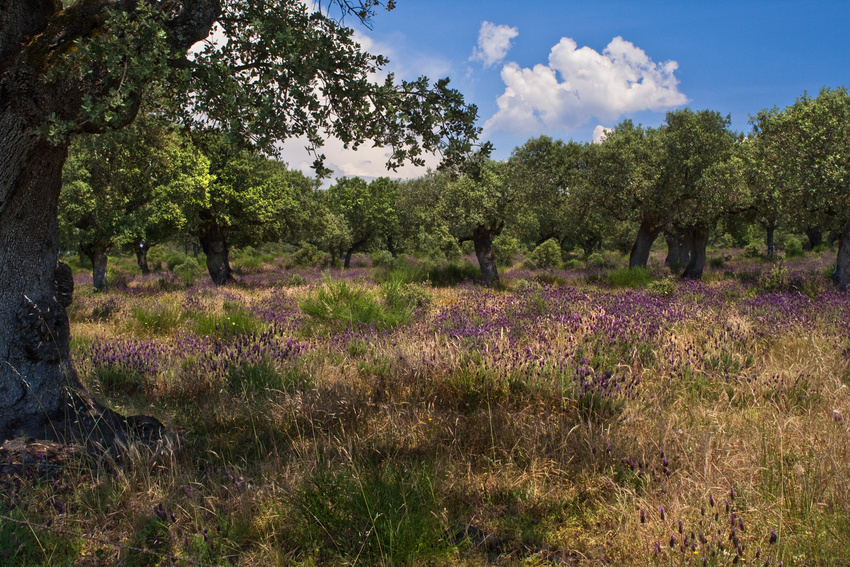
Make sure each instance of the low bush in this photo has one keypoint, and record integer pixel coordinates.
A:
(793, 247)
(547, 255)
(339, 304)
(310, 256)
(630, 277)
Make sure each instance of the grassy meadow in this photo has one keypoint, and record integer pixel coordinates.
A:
(400, 414)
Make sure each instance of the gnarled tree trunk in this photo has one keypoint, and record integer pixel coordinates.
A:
(483, 241)
(40, 393)
(815, 237)
(841, 275)
(214, 243)
(99, 259)
(696, 263)
(647, 233)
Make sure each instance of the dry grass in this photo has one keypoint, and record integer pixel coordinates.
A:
(491, 410)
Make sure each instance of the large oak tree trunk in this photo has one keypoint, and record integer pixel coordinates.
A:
(647, 233)
(841, 275)
(696, 263)
(483, 241)
(214, 243)
(99, 260)
(40, 394)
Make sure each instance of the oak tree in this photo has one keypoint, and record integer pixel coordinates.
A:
(275, 70)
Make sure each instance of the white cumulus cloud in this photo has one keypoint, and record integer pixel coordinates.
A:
(580, 83)
(494, 42)
(600, 133)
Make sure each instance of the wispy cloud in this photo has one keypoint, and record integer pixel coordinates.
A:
(494, 42)
(580, 83)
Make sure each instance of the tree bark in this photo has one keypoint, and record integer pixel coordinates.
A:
(815, 238)
(483, 241)
(696, 264)
(686, 240)
(40, 393)
(99, 259)
(214, 243)
(841, 275)
(672, 259)
(142, 258)
(771, 243)
(647, 233)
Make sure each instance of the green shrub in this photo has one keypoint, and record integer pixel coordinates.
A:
(401, 294)
(793, 247)
(294, 280)
(467, 248)
(597, 260)
(189, 270)
(776, 279)
(381, 258)
(174, 259)
(574, 263)
(630, 277)
(309, 256)
(339, 304)
(547, 255)
(752, 250)
(506, 248)
(453, 273)
(156, 256)
(664, 287)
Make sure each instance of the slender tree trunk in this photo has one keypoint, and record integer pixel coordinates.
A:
(483, 241)
(841, 275)
(142, 258)
(214, 243)
(647, 233)
(771, 244)
(815, 237)
(99, 259)
(696, 264)
(348, 253)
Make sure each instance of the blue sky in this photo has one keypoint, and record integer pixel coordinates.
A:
(566, 69)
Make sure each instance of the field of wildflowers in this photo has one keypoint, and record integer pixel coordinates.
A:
(369, 417)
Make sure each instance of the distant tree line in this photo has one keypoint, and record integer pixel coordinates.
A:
(686, 180)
